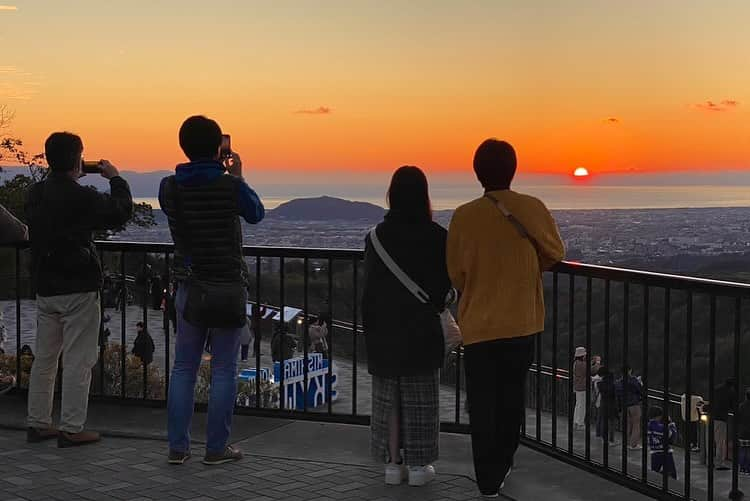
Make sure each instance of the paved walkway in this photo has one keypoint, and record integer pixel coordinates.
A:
(284, 460)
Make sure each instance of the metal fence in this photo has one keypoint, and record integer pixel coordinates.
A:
(681, 335)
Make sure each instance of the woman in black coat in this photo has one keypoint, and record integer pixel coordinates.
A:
(404, 337)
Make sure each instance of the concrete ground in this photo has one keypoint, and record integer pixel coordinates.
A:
(291, 460)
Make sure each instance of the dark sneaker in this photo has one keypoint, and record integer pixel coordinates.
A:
(76, 439)
(178, 457)
(36, 435)
(230, 454)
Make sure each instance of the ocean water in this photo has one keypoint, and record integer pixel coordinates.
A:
(555, 196)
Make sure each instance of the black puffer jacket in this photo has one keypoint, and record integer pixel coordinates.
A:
(62, 216)
(404, 336)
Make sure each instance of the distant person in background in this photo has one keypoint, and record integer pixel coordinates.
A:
(11, 229)
(283, 344)
(405, 346)
(3, 333)
(630, 392)
(67, 278)
(743, 433)
(608, 408)
(691, 415)
(157, 291)
(143, 346)
(662, 457)
(319, 337)
(580, 383)
(258, 314)
(596, 397)
(498, 247)
(723, 403)
(246, 337)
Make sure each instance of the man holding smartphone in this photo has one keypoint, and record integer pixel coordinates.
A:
(67, 276)
(203, 201)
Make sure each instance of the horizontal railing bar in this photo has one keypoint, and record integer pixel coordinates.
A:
(654, 279)
(709, 286)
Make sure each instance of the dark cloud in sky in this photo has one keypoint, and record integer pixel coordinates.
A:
(724, 105)
(321, 110)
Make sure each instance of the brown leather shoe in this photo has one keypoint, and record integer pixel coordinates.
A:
(36, 435)
(75, 439)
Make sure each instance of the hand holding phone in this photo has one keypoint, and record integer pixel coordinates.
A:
(225, 151)
(233, 164)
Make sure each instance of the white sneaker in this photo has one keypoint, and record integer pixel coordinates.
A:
(421, 475)
(395, 473)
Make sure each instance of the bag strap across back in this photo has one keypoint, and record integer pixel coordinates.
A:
(518, 225)
(402, 277)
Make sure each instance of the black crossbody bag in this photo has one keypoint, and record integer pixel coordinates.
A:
(209, 304)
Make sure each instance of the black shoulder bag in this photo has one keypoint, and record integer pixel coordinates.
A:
(209, 304)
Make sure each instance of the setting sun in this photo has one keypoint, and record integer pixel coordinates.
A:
(581, 172)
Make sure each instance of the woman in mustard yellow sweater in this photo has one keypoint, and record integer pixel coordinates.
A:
(498, 247)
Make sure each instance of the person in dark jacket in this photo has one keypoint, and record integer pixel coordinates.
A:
(67, 278)
(608, 410)
(723, 403)
(630, 392)
(404, 337)
(743, 433)
(143, 346)
(203, 202)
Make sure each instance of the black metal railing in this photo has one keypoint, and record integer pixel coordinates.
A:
(682, 335)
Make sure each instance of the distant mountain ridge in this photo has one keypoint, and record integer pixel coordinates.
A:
(327, 208)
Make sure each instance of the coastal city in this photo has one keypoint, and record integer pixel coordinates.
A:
(666, 239)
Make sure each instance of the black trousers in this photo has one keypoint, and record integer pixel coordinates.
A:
(496, 374)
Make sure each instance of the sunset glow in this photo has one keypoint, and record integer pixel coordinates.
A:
(581, 172)
(365, 87)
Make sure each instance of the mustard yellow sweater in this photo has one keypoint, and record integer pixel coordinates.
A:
(497, 270)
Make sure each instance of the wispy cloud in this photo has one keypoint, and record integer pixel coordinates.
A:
(8, 8)
(6, 70)
(725, 105)
(612, 120)
(321, 110)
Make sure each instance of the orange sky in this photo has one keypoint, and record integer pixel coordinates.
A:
(612, 86)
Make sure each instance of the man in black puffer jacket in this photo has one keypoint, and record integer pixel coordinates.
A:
(203, 202)
(62, 217)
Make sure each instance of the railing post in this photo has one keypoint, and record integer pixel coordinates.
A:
(710, 447)
(736, 493)
(329, 382)
(571, 347)
(688, 410)
(555, 328)
(354, 337)
(18, 317)
(306, 331)
(123, 326)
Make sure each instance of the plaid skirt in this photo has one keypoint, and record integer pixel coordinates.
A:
(418, 398)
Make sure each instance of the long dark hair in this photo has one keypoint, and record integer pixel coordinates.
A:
(409, 195)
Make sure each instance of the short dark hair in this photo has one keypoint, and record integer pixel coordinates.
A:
(62, 150)
(495, 164)
(409, 193)
(139, 324)
(200, 138)
(655, 412)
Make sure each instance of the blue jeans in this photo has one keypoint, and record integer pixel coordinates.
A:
(225, 344)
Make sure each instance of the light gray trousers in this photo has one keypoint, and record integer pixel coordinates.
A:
(67, 324)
